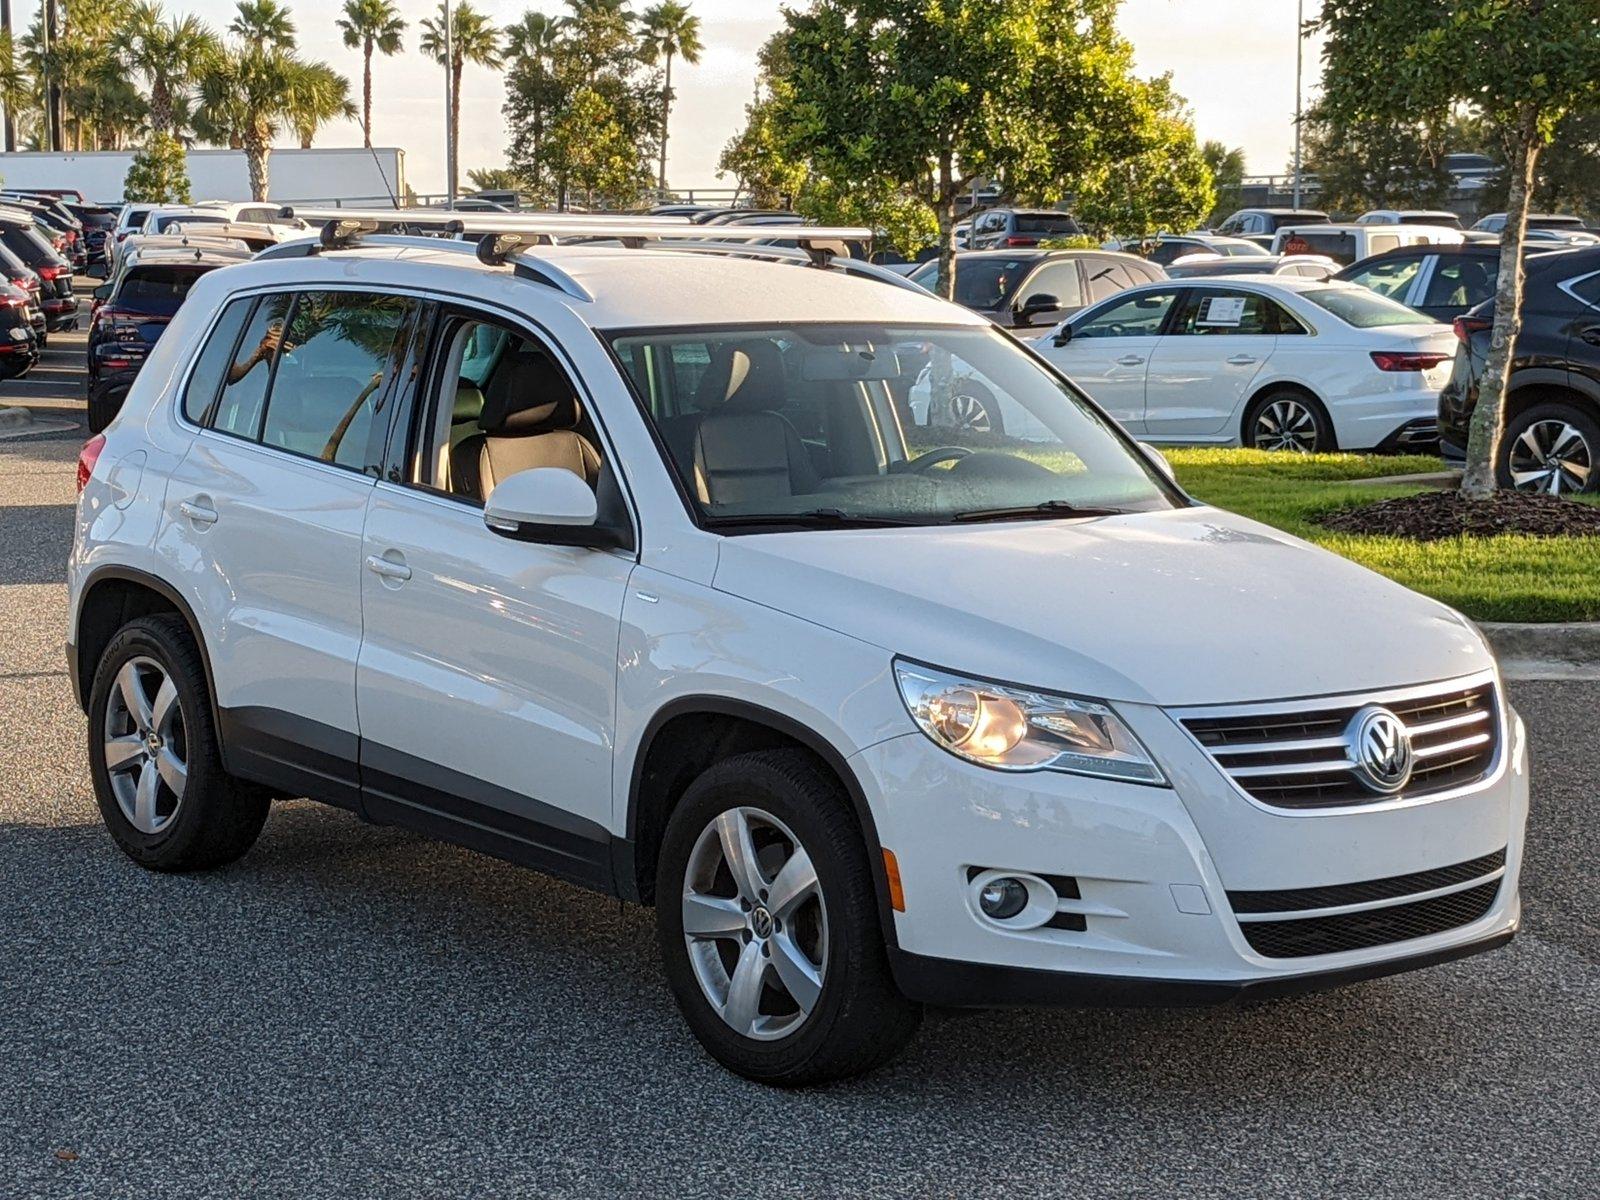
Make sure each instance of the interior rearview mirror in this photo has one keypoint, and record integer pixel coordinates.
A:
(546, 504)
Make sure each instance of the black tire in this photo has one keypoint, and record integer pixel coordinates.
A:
(105, 402)
(218, 817)
(1315, 436)
(1526, 433)
(859, 1020)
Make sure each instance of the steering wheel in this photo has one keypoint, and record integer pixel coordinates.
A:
(932, 458)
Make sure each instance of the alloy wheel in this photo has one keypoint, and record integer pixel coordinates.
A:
(146, 745)
(1285, 425)
(755, 923)
(1551, 456)
(970, 413)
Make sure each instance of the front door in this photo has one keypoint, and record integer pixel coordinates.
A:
(1110, 350)
(487, 676)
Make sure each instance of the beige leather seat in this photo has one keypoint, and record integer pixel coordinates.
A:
(531, 418)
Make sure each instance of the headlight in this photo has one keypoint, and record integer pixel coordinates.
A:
(1015, 730)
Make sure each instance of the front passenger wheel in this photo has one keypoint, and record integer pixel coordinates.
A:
(154, 756)
(768, 924)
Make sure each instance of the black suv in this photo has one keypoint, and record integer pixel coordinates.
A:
(1552, 434)
(1442, 281)
(20, 236)
(1022, 289)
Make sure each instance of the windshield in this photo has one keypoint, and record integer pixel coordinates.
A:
(1364, 309)
(167, 219)
(855, 424)
(981, 283)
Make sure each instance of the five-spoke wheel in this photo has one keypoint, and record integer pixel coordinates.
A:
(145, 746)
(1551, 455)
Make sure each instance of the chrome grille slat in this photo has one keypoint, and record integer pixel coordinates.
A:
(1295, 756)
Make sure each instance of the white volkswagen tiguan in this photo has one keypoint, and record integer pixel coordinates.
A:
(628, 564)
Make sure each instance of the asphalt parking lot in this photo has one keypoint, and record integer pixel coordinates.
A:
(357, 1011)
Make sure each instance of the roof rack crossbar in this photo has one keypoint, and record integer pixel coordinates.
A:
(851, 266)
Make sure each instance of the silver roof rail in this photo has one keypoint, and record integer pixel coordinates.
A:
(852, 266)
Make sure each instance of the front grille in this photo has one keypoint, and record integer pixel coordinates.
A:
(1284, 900)
(1303, 936)
(1297, 756)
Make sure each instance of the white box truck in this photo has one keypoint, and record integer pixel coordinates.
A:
(375, 176)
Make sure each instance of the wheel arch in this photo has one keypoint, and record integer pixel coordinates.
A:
(1285, 385)
(689, 734)
(1528, 390)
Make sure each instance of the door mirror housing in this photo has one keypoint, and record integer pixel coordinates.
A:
(1034, 305)
(103, 292)
(1159, 461)
(549, 505)
(1063, 335)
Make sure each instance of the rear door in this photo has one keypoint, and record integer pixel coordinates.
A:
(1200, 373)
(1110, 348)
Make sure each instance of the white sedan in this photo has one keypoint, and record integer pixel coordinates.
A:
(1277, 363)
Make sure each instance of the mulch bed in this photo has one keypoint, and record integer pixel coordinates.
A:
(1430, 516)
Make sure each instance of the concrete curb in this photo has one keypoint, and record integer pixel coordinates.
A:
(1438, 479)
(1546, 651)
(14, 418)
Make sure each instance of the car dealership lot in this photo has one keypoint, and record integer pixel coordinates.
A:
(352, 1011)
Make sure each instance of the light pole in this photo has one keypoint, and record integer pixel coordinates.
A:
(449, 112)
(1299, 47)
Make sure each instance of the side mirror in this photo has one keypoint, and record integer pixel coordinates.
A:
(549, 505)
(1063, 335)
(103, 292)
(1158, 460)
(1032, 306)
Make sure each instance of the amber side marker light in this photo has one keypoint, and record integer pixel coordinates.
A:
(891, 868)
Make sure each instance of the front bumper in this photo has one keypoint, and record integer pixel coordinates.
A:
(1153, 868)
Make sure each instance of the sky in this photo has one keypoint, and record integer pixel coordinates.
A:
(1232, 59)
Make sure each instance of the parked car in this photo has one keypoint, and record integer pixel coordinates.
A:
(1441, 217)
(19, 235)
(1169, 248)
(18, 274)
(19, 340)
(1471, 172)
(1257, 222)
(1346, 244)
(1441, 281)
(1556, 222)
(1276, 364)
(684, 616)
(55, 224)
(1551, 440)
(133, 311)
(1304, 266)
(1019, 228)
(98, 223)
(1028, 289)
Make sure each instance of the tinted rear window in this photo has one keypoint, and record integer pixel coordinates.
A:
(1046, 223)
(158, 290)
(28, 245)
(1337, 245)
(1365, 310)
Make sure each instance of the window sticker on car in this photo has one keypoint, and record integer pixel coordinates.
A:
(1221, 310)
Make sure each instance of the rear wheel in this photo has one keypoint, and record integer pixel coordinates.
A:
(1550, 448)
(154, 756)
(1287, 420)
(768, 925)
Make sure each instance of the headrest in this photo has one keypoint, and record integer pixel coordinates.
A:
(743, 376)
(527, 395)
(469, 402)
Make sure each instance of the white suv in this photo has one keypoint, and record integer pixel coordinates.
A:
(629, 565)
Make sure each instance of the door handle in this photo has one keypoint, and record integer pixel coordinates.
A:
(1591, 335)
(1241, 360)
(387, 568)
(1129, 360)
(198, 511)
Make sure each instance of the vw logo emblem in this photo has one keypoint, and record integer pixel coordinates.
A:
(761, 922)
(1380, 747)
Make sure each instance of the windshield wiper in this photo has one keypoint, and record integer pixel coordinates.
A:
(1045, 508)
(830, 517)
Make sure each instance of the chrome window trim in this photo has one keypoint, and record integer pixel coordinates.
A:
(1569, 286)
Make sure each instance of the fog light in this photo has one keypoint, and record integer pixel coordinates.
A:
(1003, 898)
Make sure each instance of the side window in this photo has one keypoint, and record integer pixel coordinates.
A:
(1391, 278)
(1381, 242)
(340, 354)
(1461, 282)
(262, 215)
(244, 382)
(1059, 279)
(1279, 320)
(1213, 312)
(1586, 289)
(1108, 278)
(1137, 316)
(482, 349)
(1169, 250)
(206, 379)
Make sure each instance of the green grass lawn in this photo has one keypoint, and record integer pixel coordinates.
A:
(1505, 578)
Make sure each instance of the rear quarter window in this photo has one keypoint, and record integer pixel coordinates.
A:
(215, 358)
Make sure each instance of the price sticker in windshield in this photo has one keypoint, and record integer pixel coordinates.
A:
(1221, 310)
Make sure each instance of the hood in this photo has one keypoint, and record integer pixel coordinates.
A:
(1184, 607)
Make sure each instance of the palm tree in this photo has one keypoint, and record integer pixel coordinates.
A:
(670, 29)
(16, 88)
(170, 55)
(319, 96)
(244, 99)
(263, 24)
(534, 36)
(371, 25)
(472, 39)
(583, 10)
